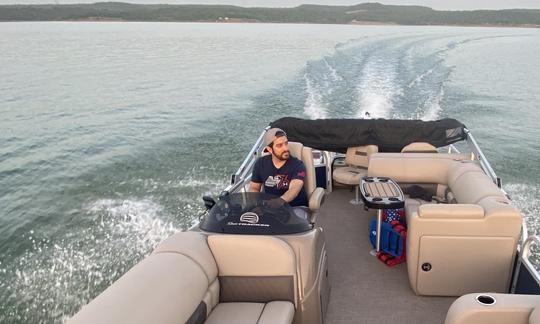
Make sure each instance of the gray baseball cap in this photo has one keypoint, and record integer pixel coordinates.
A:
(272, 134)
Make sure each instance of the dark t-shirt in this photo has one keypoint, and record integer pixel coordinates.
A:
(276, 181)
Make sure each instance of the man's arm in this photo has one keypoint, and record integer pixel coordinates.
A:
(294, 189)
(255, 186)
(256, 177)
(296, 184)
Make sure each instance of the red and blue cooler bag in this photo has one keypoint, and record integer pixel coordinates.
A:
(393, 237)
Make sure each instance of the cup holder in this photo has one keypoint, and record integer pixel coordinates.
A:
(486, 300)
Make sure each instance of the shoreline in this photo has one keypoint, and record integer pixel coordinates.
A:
(250, 21)
(370, 13)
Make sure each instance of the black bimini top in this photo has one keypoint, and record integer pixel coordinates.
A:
(390, 135)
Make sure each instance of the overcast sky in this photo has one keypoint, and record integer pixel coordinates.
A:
(435, 4)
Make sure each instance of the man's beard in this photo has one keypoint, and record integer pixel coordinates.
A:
(282, 156)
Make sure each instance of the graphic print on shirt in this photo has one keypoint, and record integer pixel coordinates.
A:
(280, 181)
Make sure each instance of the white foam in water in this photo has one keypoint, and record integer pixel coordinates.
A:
(208, 184)
(420, 77)
(333, 73)
(432, 106)
(377, 89)
(526, 198)
(139, 218)
(313, 107)
(53, 279)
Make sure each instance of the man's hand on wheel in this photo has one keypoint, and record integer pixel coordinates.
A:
(275, 203)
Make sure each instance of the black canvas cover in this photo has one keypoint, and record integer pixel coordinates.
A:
(390, 135)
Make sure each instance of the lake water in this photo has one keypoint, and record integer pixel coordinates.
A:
(111, 132)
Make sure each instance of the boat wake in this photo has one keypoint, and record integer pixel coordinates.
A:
(333, 73)
(313, 106)
(431, 107)
(421, 76)
(374, 78)
(378, 89)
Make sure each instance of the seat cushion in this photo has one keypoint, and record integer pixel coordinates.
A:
(349, 175)
(278, 312)
(359, 156)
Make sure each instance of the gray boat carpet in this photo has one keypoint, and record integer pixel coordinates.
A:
(364, 290)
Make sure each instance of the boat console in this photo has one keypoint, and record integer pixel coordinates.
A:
(246, 218)
(254, 213)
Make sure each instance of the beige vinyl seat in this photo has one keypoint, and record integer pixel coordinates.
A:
(194, 278)
(357, 160)
(462, 246)
(315, 194)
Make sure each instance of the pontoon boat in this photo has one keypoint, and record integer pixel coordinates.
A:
(467, 249)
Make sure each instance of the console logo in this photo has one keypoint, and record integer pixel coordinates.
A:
(249, 217)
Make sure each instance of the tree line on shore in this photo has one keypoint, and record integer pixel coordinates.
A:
(361, 13)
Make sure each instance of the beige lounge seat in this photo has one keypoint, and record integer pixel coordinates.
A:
(357, 160)
(315, 194)
(454, 248)
(419, 147)
(191, 279)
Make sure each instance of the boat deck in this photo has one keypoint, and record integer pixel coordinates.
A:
(364, 290)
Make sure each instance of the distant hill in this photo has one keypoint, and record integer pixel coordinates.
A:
(365, 13)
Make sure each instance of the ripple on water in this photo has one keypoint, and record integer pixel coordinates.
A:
(52, 280)
(525, 198)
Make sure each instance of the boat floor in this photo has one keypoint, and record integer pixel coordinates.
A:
(363, 289)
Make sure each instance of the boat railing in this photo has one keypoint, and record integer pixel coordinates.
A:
(243, 174)
(525, 260)
(477, 154)
(453, 149)
(526, 253)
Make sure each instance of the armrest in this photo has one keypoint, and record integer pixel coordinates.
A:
(316, 199)
(518, 309)
(453, 211)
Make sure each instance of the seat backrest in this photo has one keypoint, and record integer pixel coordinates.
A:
(472, 187)
(304, 153)
(359, 155)
(419, 147)
(411, 167)
(194, 246)
(254, 268)
(177, 283)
